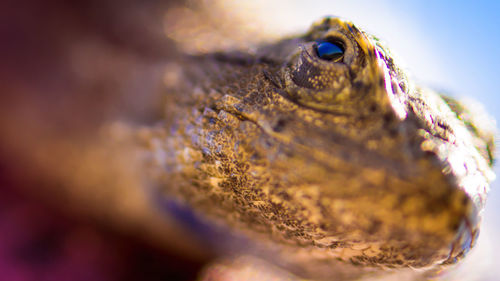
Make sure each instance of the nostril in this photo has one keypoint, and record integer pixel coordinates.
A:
(280, 125)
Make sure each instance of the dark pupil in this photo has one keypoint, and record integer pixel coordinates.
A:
(329, 51)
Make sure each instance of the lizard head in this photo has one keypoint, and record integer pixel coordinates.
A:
(322, 141)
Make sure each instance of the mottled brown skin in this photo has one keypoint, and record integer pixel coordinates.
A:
(330, 168)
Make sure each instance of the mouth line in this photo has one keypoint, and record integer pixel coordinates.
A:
(462, 244)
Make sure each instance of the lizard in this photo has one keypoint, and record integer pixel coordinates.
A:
(315, 153)
(319, 151)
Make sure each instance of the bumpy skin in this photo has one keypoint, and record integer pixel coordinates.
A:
(334, 168)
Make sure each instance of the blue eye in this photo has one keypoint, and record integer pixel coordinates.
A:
(329, 50)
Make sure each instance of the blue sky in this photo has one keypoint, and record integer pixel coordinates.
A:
(466, 37)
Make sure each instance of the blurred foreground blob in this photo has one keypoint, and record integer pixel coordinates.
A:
(68, 71)
(65, 212)
(244, 268)
(42, 243)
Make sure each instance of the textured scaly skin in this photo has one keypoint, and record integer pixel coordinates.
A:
(329, 168)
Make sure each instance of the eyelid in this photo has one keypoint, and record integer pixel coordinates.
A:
(333, 40)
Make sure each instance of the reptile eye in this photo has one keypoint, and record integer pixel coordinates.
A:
(331, 51)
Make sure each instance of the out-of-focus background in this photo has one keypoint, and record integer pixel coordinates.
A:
(66, 67)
